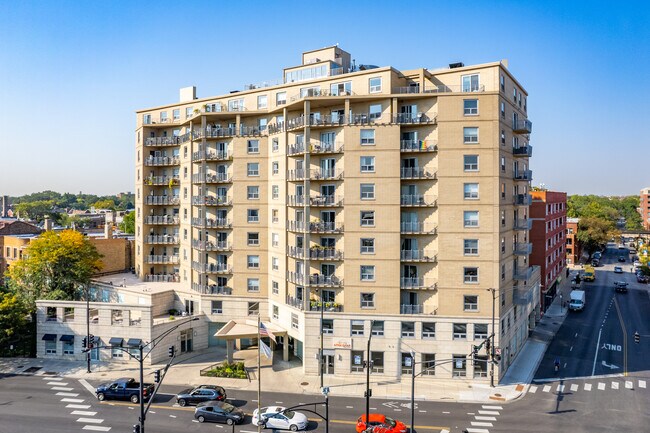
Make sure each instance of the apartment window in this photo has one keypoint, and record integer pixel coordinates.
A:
(470, 107)
(341, 88)
(275, 263)
(503, 272)
(367, 245)
(367, 300)
(146, 119)
(367, 164)
(428, 330)
(470, 303)
(374, 111)
(408, 329)
(262, 123)
(470, 275)
(502, 83)
(184, 192)
(276, 168)
(459, 366)
(253, 262)
(116, 317)
(163, 117)
(503, 218)
(377, 328)
(367, 191)
(470, 191)
(253, 239)
(217, 307)
(68, 347)
(470, 162)
(460, 331)
(188, 112)
(503, 190)
(374, 85)
(275, 287)
(275, 192)
(275, 239)
(503, 164)
(262, 101)
(68, 314)
(328, 326)
(356, 361)
(295, 324)
(470, 83)
(253, 168)
(117, 353)
(253, 215)
(503, 245)
(356, 327)
(470, 247)
(50, 347)
(514, 94)
(367, 137)
(377, 360)
(253, 284)
(470, 218)
(253, 146)
(470, 134)
(367, 273)
(503, 109)
(503, 137)
(280, 98)
(480, 331)
(274, 215)
(367, 218)
(276, 312)
(275, 144)
(253, 192)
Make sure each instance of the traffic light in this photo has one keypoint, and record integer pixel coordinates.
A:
(136, 428)
(91, 341)
(475, 350)
(84, 342)
(487, 346)
(156, 376)
(637, 337)
(171, 351)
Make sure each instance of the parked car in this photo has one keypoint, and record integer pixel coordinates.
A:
(620, 286)
(380, 424)
(123, 389)
(618, 270)
(597, 255)
(642, 278)
(621, 258)
(278, 417)
(595, 263)
(218, 411)
(201, 393)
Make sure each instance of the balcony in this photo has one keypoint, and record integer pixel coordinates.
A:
(364, 118)
(319, 147)
(523, 273)
(217, 133)
(411, 309)
(417, 200)
(413, 119)
(211, 289)
(274, 128)
(218, 223)
(162, 141)
(329, 174)
(161, 161)
(440, 88)
(212, 268)
(417, 283)
(418, 146)
(161, 220)
(523, 249)
(161, 260)
(296, 200)
(523, 224)
(162, 180)
(295, 252)
(326, 201)
(296, 149)
(522, 126)
(163, 239)
(317, 280)
(296, 175)
(295, 302)
(332, 307)
(522, 200)
(326, 120)
(523, 295)
(162, 278)
(523, 175)
(525, 151)
(162, 200)
(210, 200)
(296, 278)
(297, 122)
(417, 227)
(416, 173)
(211, 246)
(315, 226)
(325, 253)
(212, 178)
(251, 130)
(417, 256)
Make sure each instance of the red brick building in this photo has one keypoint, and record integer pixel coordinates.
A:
(548, 212)
(573, 245)
(644, 207)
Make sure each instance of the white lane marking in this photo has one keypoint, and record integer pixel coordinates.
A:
(67, 394)
(422, 411)
(72, 400)
(482, 424)
(78, 406)
(52, 378)
(446, 412)
(83, 413)
(485, 418)
(560, 388)
(278, 402)
(88, 386)
(444, 430)
(172, 416)
(349, 407)
(614, 385)
(574, 387)
(91, 420)
(642, 384)
(195, 420)
(130, 408)
(593, 370)
(628, 384)
(217, 425)
(532, 389)
(546, 388)
(571, 349)
(477, 430)
(62, 388)
(95, 428)
(471, 413)
(488, 412)
(151, 411)
(587, 387)
(601, 386)
(373, 408)
(575, 335)
(492, 407)
(397, 410)
(58, 383)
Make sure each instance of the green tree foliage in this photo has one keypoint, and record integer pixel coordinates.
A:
(104, 204)
(606, 208)
(38, 210)
(595, 231)
(73, 201)
(13, 317)
(128, 223)
(55, 266)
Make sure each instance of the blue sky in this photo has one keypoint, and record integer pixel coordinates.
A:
(72, 74)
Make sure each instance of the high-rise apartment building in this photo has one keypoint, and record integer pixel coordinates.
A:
(394, 200)
(644, 207)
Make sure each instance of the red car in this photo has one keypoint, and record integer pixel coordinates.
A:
(380, 424)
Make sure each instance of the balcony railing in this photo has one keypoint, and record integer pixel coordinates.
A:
(211, 289)
(411, 309)
(161, 219)
(294, 175)
(212, 178)
(162, 200)
(417, 200)
(524, 126)
(211, 246)
(417, 227)
(296, 200)
(324, 147)
(326, 120)
(274, 128)
(315, 305)
(295, 252)
(417, 256)
(162, 141)
(296, 149)
(315, 226)
(211, 155)
(296, 278)
(163, 239)
(161, 260)
(251, 130)
(325, 281)
(418, 146)
(526, 150)
(328, 174)
(440, 88)
(212, 268)
(364, 118)
(522, 200)
(210, 200)
(162, 278)
(219, 223)
(523, 224)
(162, 180)
(523, 249)
(413, 118)
(523, 295)
(295, 302)
(162, 161)
(416, 173)
(523, 273)
(326, 201)
(325, 254)
(412, 283)
(217, 132)
(297, 122)
(523, 175)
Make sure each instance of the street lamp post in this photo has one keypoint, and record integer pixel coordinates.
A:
(88, 342)
(368, 367)
(492, 346)
(322, 309)
(412, 391)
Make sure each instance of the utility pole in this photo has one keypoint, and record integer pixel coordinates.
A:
(412, 392)
(368, 367)
(322, 309)
(88, 342)
(492, 346)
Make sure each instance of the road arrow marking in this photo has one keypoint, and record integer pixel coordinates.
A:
(391, 404)
(610, 366)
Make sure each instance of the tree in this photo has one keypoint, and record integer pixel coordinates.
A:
(37, 210)
(594, 231)
(13, 317)
(55, 266)
(104, 204)
(128, 223)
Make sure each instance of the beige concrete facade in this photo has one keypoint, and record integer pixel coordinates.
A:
(398, 197)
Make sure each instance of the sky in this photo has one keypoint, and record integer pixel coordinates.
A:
(72, 74)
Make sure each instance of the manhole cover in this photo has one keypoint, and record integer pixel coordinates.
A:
(304, 383)
(497, 395)
(32, 370)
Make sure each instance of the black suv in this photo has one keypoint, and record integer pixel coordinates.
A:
(620, 286)
(621, 258)
(200, 394)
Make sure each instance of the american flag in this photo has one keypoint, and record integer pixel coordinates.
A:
(264, 332)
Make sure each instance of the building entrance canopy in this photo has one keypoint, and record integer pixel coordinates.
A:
(236, 330)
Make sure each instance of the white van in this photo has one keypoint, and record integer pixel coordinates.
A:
(577, 302)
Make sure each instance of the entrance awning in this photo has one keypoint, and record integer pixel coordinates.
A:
(116, 341)
(67, 338)
(246, 329)
(134, 342)
(49, 337)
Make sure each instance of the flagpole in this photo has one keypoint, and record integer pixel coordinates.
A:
(259, 375)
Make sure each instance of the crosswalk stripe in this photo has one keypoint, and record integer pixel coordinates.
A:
(95, 428)
(83, 413)
(78, 406)
(574, 387)
(72, 400)
(52, 378)
(482, 424)
(546, 388)
(614, 385)
(488, 412)
(91, 420)
(58, 383)
(587, 387)
(67, 394)
(532, 389)
(628, 384)
(560, 388)
(485, 406)
(601, 386)
(61, 388)
(477, 430)
(642, 384)
(485, 418)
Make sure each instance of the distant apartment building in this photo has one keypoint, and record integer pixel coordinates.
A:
(573, 245)
(392, 199)
(548, 212)
(14, 236)
(644, 207)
